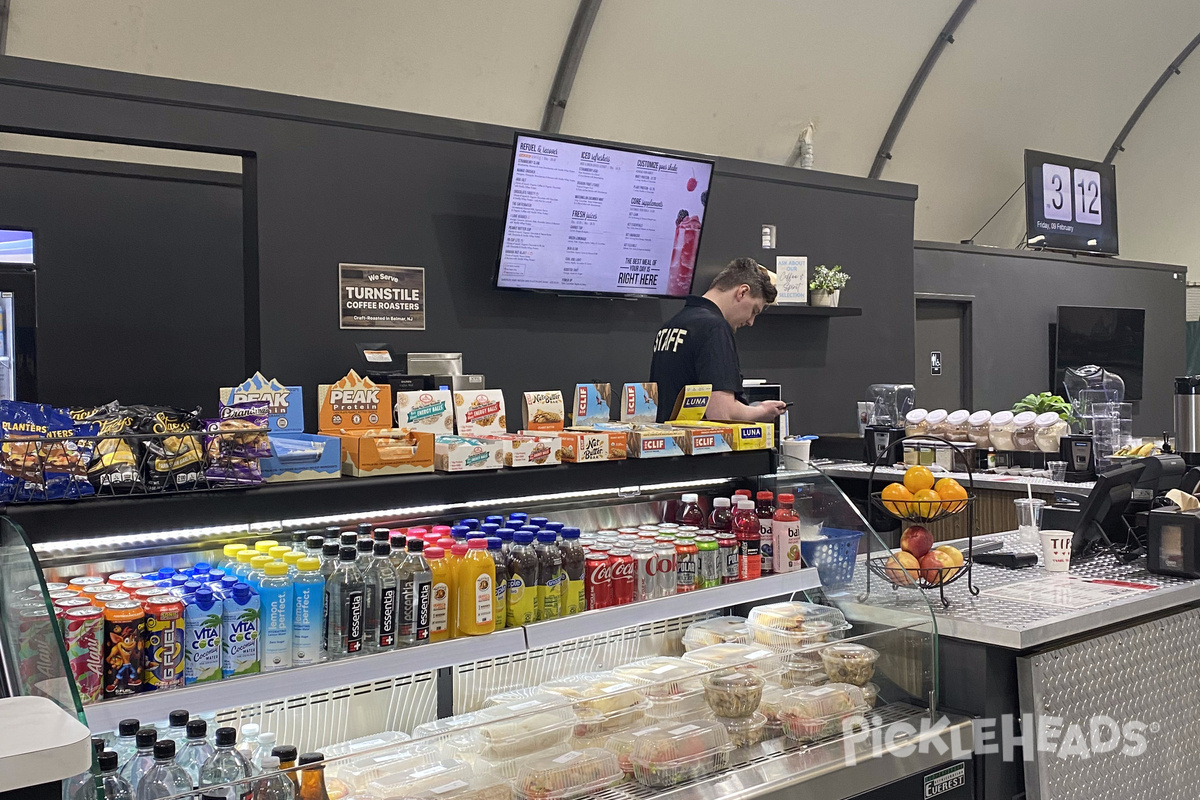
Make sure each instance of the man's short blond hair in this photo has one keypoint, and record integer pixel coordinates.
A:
(749, 272)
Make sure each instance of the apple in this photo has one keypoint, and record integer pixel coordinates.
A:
(916, 540)
(902, 568)
(932, 564)
(956, 558)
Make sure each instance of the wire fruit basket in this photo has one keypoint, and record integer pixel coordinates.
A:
(888, 566)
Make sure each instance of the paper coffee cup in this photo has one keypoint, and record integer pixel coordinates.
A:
(1056, 550)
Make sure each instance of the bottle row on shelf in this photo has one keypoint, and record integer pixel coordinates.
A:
(337, 594)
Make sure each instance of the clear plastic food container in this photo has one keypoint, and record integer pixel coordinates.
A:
(793, 625)
(814, 713)
(364, 743)
(603, 702)
(935, 422)
(733, 694)
(479, 787)
(772, 702)
(808, 671)
(1000, 430)
(977, 428)
(571, 774)
(621, 744)
(360, 771)
(870, 693)
(1048, 429)
(676, 688)
(422, 779)
(666, 756)
(507, 768)
(914, 422)
(744, 657)
(716, 631)
(1023, 431)
(521, 695)
(956, 425)
(454, 735)
(517, 729)
(849, 662)
(745, 731)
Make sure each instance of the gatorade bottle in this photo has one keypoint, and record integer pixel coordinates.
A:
(476, 590)
(442, 587)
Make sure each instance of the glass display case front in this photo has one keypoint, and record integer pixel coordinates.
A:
(711, 654)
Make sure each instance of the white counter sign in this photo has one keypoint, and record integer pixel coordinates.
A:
(372, 296)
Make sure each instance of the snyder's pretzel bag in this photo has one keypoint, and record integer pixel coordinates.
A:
(175, 455)
(114, 468)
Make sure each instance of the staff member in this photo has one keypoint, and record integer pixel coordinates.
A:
(696, 345)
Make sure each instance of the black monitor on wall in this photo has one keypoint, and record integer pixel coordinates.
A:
(1113, 338)
(586, 218)
(1070, 204)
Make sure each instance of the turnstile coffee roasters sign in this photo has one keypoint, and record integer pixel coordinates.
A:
(373, 296)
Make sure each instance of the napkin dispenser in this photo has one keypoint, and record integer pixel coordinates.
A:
(1173, 546)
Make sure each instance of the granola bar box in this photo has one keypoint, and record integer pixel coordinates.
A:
(386, 451)
(460, 454)
(530, 448)
(581, 446)
(480, 412)
(543, 411)
(639, 403)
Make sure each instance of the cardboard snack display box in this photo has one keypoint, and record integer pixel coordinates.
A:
(581, 446)
(705, 439)
(543, 411)
(358, 410)
(639, 403)
(295, 455)
(655, 441)
(480, 412)
(530, 449)
(746, 435)
(461, 454)
(431, 411)
(592, 404)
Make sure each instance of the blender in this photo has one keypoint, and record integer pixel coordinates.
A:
(889, 403)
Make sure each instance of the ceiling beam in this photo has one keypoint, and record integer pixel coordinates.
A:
(945, 37)
(1118, 144)
(4, 7)
(568, 64)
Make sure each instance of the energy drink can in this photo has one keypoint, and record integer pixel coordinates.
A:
(84, 580)
(35, 648)
(163, 665)
(83, 634)
(122, 578)
(124, 627)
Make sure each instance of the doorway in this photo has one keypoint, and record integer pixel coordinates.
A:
(943, 351)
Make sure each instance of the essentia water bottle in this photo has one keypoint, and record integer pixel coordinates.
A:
(748, 531)
(688, 512)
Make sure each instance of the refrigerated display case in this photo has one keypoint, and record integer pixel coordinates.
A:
(426, 698)
(18, 333)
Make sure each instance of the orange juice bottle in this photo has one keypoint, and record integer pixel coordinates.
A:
(476, 590)
(458, 551)
(441, 590)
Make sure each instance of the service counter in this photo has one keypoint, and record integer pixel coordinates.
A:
(1108, 644)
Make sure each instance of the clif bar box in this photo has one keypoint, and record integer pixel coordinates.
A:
(655, 441)
(746, 435)
(701, 441)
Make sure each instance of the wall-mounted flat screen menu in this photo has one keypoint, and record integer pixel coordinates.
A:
(16, 246)
(1070, 204)
(585, 218)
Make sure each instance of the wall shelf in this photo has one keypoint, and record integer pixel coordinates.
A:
(812, 311)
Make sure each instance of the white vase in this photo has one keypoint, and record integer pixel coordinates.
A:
(819, 297)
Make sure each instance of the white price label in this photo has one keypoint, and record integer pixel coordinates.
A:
(685, 729)
(452, 786)
(567, 758)
(1056, 192)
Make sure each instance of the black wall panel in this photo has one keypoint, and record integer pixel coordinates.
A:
(345, 183)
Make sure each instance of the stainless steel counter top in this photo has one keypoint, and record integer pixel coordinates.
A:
(1017, 625)
(1011, 483)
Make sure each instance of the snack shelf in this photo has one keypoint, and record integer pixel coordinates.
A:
(106, 516)
(264, 687)
(543, 634)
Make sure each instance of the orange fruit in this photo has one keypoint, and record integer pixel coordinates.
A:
(895, 499)
(950, 489)
(918, 478)
(931, 507)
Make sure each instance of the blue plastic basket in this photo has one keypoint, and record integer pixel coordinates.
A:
(834, 556)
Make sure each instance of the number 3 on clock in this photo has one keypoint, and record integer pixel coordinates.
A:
(1056, 192)
(1086, 186)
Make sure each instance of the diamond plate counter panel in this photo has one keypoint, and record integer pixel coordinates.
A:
(1148, 673)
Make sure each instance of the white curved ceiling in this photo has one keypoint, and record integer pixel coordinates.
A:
(728, 78)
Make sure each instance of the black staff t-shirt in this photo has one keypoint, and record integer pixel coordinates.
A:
(694, 346)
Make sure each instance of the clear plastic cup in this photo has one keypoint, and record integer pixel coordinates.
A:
(1058, 470)
(1029, 519)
